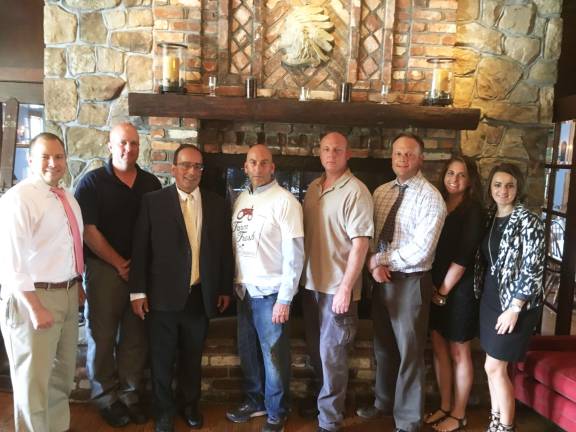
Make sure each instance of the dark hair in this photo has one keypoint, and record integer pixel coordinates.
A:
(412, 136)
(515, 172)
(184, 147)
(474, 189)
(46, 136)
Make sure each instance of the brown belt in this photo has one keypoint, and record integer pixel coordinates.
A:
(57, 285)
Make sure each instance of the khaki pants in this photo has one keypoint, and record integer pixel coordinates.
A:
(42, 362)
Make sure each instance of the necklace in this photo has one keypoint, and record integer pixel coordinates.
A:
(490, 246)
(500, 226)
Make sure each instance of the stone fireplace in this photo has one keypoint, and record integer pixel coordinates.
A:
(100, 51)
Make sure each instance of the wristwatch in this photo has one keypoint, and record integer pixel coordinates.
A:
(515, 308)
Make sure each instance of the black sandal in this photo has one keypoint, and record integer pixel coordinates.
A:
(462, 422)
(494, 422)
(443, 414)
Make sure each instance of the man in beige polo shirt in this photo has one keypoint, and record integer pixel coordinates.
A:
(338, 225)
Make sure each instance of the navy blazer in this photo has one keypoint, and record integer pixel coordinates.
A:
(162, 257)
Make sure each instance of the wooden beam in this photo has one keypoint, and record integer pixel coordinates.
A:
(292, 111)
(31, 93)
(565, 108)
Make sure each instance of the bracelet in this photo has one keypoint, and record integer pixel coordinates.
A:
(438, 298)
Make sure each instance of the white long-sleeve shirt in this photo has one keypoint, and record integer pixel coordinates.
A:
(36, 243)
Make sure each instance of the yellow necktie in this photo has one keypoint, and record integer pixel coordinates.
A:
(190, 218)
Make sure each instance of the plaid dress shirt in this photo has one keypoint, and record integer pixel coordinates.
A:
(419, 222)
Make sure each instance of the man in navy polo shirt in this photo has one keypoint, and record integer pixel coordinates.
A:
(117, 350)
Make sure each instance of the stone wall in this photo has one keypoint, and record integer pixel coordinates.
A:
(222, 375)
(507, 50)
(507, 55)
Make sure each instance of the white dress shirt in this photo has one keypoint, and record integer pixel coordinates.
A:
(36, 243)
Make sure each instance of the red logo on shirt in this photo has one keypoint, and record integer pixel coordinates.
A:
(245, 212)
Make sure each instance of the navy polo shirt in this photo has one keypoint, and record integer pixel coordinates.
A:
(112, 206)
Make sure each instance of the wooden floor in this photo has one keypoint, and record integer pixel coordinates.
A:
(85, 418)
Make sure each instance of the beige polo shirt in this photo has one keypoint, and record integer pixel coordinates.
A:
(332, 218)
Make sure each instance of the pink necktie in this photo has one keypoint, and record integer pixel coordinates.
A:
(78, 252)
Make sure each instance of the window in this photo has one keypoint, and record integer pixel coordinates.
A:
(16, 138)
(557, 214)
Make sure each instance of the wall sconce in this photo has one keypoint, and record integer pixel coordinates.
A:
(442, 85)
(173, 71)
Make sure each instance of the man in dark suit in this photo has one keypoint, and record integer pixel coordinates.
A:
(180, 276)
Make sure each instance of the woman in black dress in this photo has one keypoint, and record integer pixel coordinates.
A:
(454, 312)
(511, 287)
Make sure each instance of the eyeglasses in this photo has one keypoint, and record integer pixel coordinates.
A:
(190, 165)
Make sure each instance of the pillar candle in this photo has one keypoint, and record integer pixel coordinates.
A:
(440, 81)
(171, 70)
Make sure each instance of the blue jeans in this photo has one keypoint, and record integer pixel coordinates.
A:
(264, 350)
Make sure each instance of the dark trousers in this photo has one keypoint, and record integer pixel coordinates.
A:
(177, 335)
(117, 345)
(400, 312)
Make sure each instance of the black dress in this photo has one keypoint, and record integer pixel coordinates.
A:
(507, 347)
(457, 320)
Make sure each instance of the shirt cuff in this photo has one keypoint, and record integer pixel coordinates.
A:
(383, 258)
(137, 296)
(284, 302)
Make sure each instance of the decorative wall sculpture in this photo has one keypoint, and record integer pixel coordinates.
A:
(305, 38)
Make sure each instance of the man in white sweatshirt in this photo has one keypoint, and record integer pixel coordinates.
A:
(268, 239)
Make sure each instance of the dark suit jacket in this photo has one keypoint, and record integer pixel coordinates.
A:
(161, 256)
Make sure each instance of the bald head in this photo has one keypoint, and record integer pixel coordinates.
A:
(335, 138)
(259, 166)
(334, 154)
(124, 146)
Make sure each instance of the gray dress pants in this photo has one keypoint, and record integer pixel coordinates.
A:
(400, 310)
(328, 337)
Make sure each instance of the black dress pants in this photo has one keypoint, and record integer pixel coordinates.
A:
(177, 335)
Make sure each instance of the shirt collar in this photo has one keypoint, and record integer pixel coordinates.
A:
(39, 183)
(340, 183)
(412, 182)
(195, 194)
(262, 188)
(110, 169)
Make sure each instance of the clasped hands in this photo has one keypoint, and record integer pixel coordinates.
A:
(380, 272)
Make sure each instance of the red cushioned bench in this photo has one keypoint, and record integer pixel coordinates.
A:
(546, 379)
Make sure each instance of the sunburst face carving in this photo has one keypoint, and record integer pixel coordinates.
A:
(305, 39)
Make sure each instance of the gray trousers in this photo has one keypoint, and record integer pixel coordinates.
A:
(117, 344)
(328, 336)
(400, 312)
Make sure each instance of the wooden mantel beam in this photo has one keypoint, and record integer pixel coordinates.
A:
(364, 114)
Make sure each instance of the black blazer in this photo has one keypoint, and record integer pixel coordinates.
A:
(161, 256)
